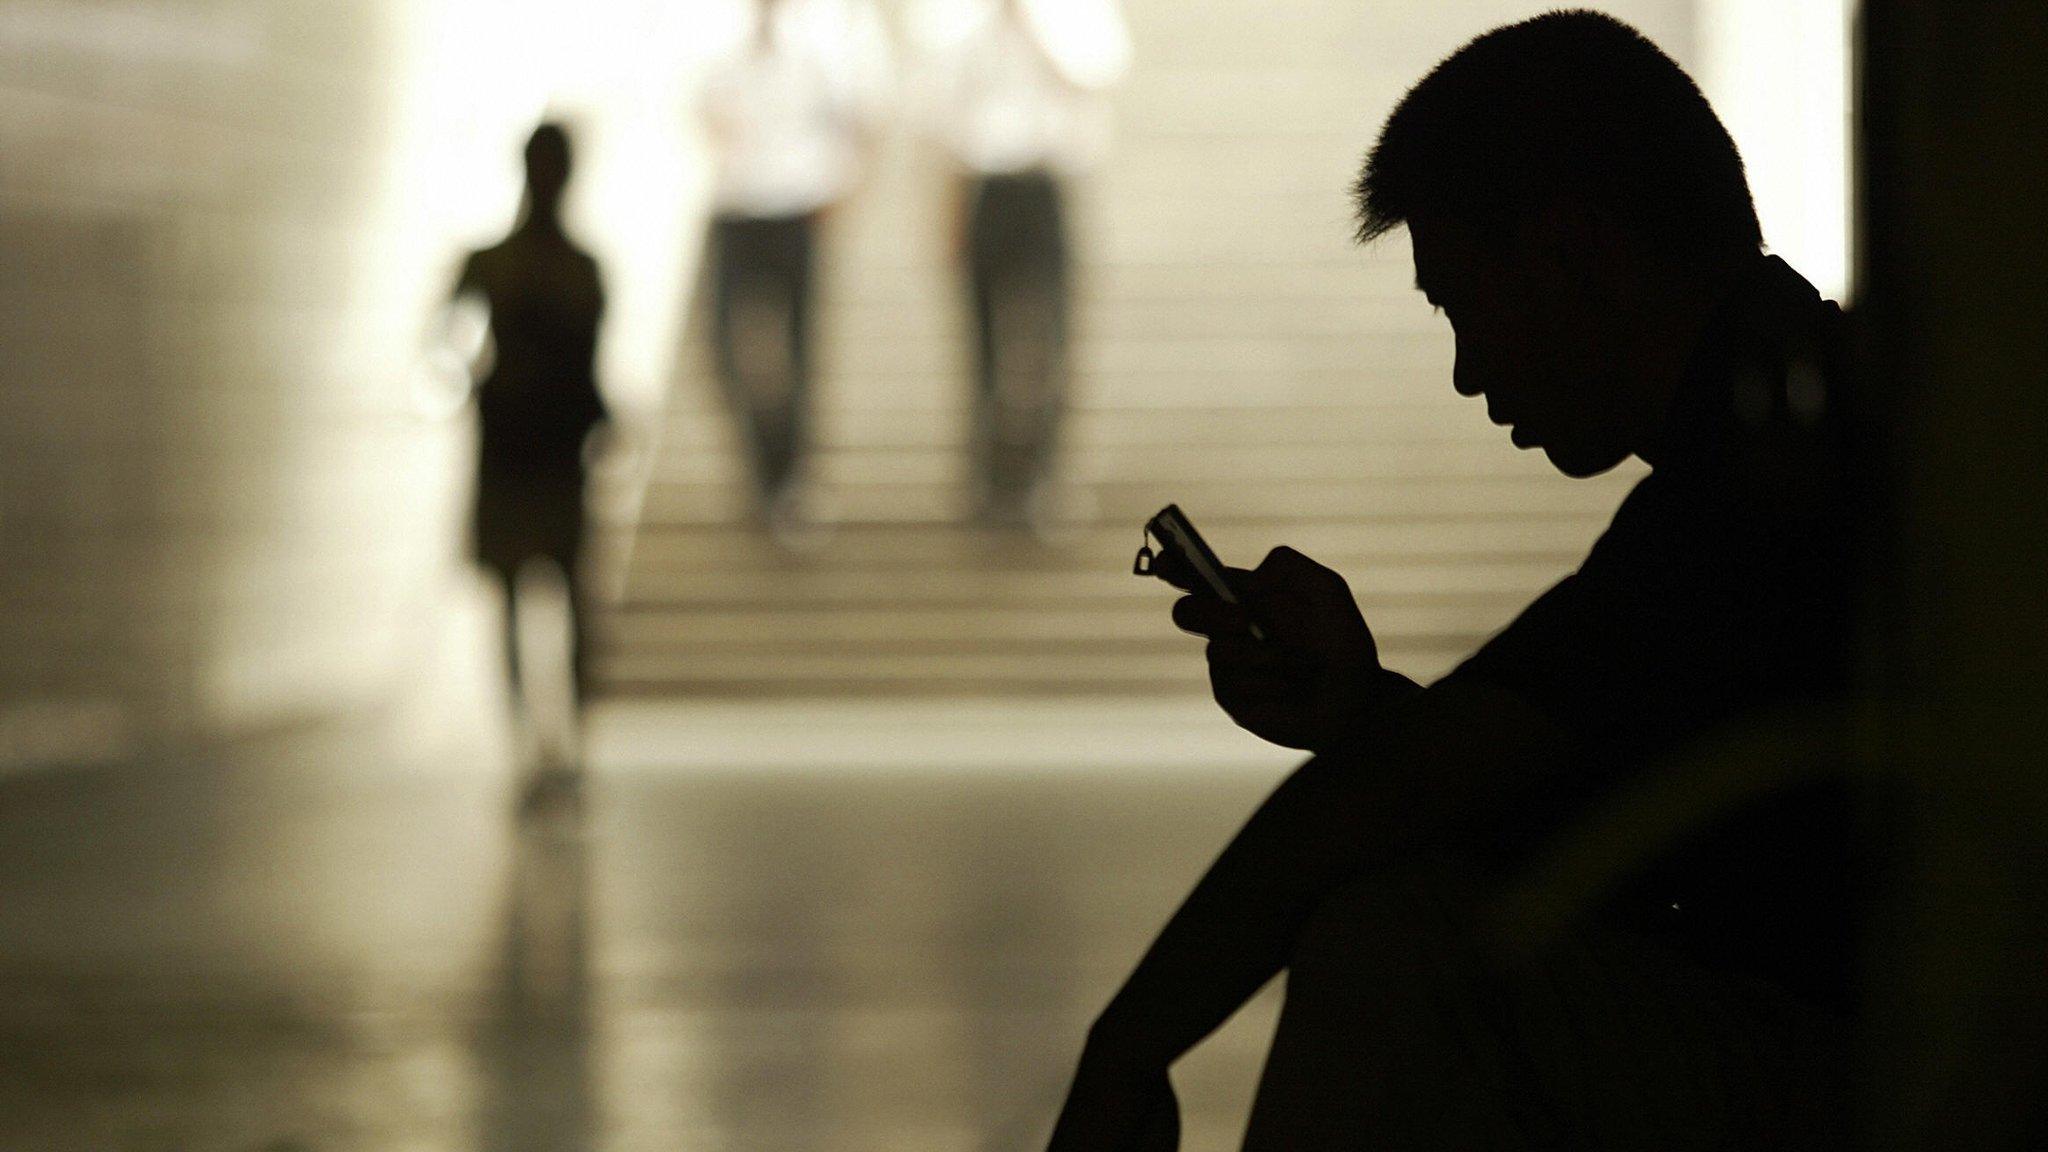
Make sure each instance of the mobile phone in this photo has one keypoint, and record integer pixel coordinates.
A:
(1176, 533)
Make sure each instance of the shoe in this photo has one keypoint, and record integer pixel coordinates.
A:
(797, 519)
(1056, 514)
(552, 786)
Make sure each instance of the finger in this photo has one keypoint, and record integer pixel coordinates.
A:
(1269, 720)
(1160, 1131)
(1205, 615)
(1243, 689)
(1237, 578)
(1311, 606)
(1239, 650)
(1285, 570)
(1169, 565)
(1253, 701)
(1260, 674)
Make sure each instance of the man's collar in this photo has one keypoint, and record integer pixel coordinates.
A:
(1767, 315)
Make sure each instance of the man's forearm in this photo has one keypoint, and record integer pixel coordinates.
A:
(1449, 761)
(1235, 930)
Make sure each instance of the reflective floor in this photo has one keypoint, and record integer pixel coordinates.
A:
(356, 938)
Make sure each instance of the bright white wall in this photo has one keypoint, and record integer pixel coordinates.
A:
(1778, 72)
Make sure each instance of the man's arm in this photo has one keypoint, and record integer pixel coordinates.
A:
(1431, 771)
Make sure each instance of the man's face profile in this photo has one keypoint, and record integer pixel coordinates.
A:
(1535, 337)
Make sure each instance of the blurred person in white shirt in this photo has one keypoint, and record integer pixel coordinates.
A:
(1016, 92)
(791, 114)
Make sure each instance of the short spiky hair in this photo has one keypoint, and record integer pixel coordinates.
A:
(1570, 103)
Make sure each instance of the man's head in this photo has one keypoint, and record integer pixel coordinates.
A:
(1575, 207)
(548, 160)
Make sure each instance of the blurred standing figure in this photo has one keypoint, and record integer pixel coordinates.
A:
(537, 403)
(1018, 94)
(791, 116)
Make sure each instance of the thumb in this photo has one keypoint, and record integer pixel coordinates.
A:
(1285, 567)
(1161, 1129)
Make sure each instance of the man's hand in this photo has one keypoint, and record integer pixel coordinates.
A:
(1112, 1108)
(1315, 674)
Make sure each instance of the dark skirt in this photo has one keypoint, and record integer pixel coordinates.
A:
(526, 516)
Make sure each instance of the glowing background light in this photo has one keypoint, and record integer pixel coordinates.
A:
(1778, 73)
(476, 75)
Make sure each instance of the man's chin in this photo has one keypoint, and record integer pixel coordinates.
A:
(1580, 464)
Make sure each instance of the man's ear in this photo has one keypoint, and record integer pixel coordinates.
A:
(1582, 250)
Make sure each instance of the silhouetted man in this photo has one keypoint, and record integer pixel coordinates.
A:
(538, 402)
(792, 116)
(1018, 98)
(1582, 220)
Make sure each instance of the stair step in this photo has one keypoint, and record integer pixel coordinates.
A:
(1366, 378)
(1425, 417)
(1131, 501)
(1112, 582)
(1139, 625)
(734, 548)
(944, 462)
(962, 674)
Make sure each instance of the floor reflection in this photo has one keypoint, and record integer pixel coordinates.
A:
(320, 949)
(533, 1045)
(770, 1027)
(1014, 920)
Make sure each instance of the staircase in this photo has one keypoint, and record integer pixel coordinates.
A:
(1234, 354)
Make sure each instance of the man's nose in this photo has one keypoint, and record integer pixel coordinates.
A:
(1465, 380)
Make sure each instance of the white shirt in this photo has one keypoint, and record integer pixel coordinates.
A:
(1011, 87)
(788, 110)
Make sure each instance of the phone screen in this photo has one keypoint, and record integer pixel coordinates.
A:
(1173, 530)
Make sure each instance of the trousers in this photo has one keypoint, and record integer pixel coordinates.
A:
(1018, 290)
(761, 298)
(1404, 1027)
